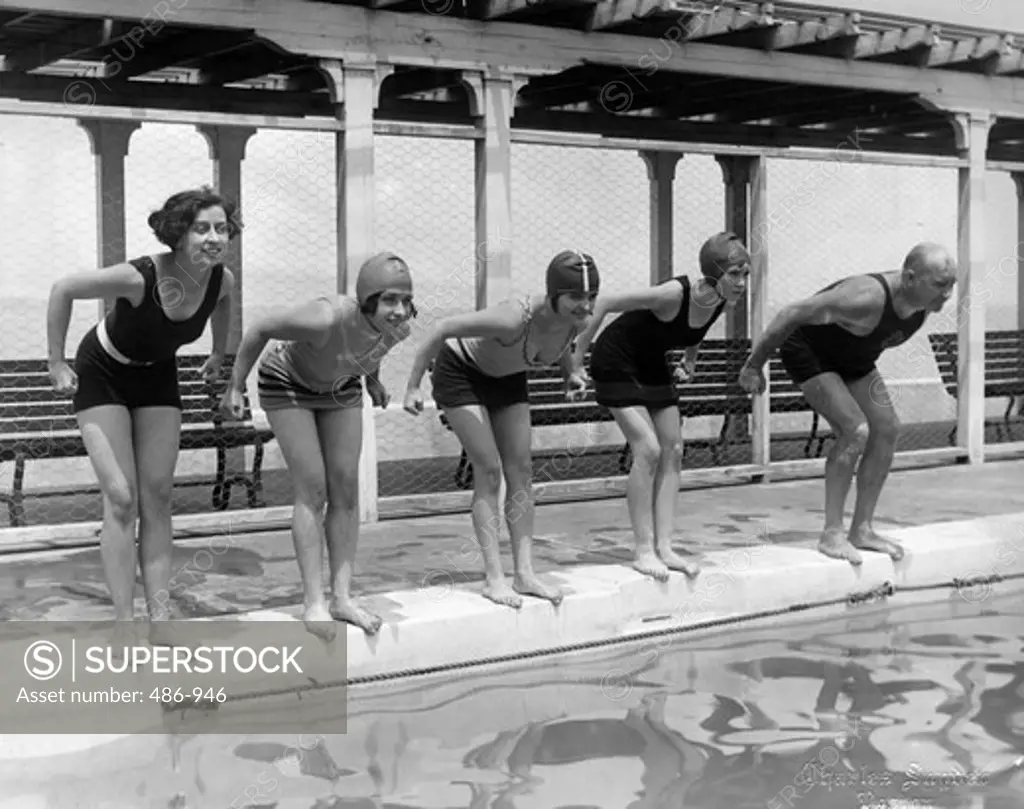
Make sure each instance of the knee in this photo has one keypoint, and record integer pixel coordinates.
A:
(487, 475)
(155, 498)
(853, 438)
(344, 490)
(886, 430)
(518, 472)
(672, 452)
(311, 493)
(647, 454)
(123, 501)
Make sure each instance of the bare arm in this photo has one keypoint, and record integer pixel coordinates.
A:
(844, 305)
(309, 322)
(118, 281)
(220, 320)
(656, 298)
(568, 364)
(502, 320)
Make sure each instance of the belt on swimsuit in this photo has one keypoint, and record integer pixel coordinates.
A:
(104, 338)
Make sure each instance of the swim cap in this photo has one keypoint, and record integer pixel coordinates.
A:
(720, 252)
(384, 271)
(571, 271)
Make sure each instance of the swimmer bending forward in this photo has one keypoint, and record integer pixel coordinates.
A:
(829, 343)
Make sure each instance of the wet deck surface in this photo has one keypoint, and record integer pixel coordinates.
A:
(236, 572)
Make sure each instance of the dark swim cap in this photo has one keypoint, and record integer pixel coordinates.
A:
(721, 252)
(571, 271)
(384, 271)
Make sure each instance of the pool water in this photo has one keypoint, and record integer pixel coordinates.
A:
(915, 705)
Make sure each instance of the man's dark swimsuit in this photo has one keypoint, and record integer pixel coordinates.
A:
(813, 350)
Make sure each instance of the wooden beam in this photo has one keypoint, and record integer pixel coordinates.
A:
(614, 13)
(777, 106)
(84, 94)
(419, 80)
(337, 31)
(81, 36)
(178, 49)
(248, 62)
(497, 9)
(9, 106)
(645, 127)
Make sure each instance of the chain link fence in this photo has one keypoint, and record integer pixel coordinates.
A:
(827, 219)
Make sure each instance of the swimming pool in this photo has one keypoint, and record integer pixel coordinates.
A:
(912, 704)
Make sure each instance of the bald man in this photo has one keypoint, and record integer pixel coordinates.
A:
(828, 345)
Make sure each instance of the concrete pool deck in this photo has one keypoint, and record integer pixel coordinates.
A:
(756, 543)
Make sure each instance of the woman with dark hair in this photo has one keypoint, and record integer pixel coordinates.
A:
(125, 382)
(479, 381)
(311, 388)
(632, 378)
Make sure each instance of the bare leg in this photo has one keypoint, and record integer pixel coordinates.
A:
(107, 434)
(341, 436)
(829, 396)
(512, 434)
(296, 433)
(473, 427)
(873, 397)
(639, 431)
(666, 488)
(156, 435)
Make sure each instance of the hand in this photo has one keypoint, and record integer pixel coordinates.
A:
(378, 393)
(684, 370)
(232, 403)
(211, 368)
(576, 387)
(63, 378)
(413, 401)
(752, 379)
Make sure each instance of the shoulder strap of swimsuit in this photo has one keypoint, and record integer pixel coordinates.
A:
(889, 308)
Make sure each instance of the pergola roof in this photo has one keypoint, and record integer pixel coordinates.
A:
(739, 72)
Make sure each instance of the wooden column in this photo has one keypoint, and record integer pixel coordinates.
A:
(354, 91)
(227, 151)
(109, 141)
(736, 171)
(759, 230)
(661, 175)
(972, 130)
(492, 98)
(1018, 183)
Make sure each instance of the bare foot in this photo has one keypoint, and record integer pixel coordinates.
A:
(319, 622)
(834, 544)
(122, 636)
(648, 563)
(865, 538)
(352, 613)
(676, 562)
(500, 593)
(532, 586)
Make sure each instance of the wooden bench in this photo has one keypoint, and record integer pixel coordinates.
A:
(38, 424)
(714, 391)
(1004, 370)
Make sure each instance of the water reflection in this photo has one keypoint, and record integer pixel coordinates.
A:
(917, 707)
